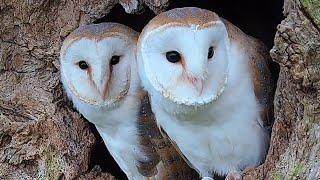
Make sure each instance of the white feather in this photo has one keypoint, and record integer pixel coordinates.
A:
(116, 121)
(217, 135)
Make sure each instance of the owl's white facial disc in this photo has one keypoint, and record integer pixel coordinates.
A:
(97, 71)
(186, 64)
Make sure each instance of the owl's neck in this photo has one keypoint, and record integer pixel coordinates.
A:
(110, 120)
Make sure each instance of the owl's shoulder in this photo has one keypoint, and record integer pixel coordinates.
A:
(259, 62)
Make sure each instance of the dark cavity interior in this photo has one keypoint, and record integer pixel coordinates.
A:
(256, 18)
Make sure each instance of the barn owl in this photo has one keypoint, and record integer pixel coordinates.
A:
(99, 75)
(210, 89)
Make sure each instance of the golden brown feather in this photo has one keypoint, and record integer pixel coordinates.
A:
(263, 84)
(164, 161)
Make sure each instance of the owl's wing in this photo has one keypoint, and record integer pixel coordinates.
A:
(260, 64)
(171, 164)
(264, 86)
(176, 150)
(147, 167)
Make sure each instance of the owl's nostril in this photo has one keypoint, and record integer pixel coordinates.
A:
(199, 86)
(197, 83)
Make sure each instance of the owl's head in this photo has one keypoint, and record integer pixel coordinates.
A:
(96, 63)
(183, 55)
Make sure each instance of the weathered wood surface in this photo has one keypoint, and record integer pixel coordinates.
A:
(42, 137)
(295, 146)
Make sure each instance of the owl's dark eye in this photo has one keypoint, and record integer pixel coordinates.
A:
(83, 65)
(114, 60)
(210, 52)
(173, 56)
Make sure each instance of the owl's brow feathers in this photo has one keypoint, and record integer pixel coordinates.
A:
(99, 32)
(186, 17)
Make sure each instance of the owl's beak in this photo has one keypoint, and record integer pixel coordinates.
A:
(195, 71)
(103, 88)
(102, 83)
(195, 75)
(197, 83)
(199, 86)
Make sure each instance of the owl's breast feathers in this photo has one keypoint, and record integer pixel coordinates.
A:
(259, 66)
(163, 160)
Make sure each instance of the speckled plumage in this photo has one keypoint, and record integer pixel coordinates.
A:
(170, 164)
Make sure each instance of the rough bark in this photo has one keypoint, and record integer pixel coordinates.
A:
(295, 146)
(41, 136)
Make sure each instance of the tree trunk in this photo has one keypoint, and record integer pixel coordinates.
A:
(42, 137)
(295, 145)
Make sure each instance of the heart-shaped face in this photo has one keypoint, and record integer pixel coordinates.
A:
(96, 67)
(185, 60)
